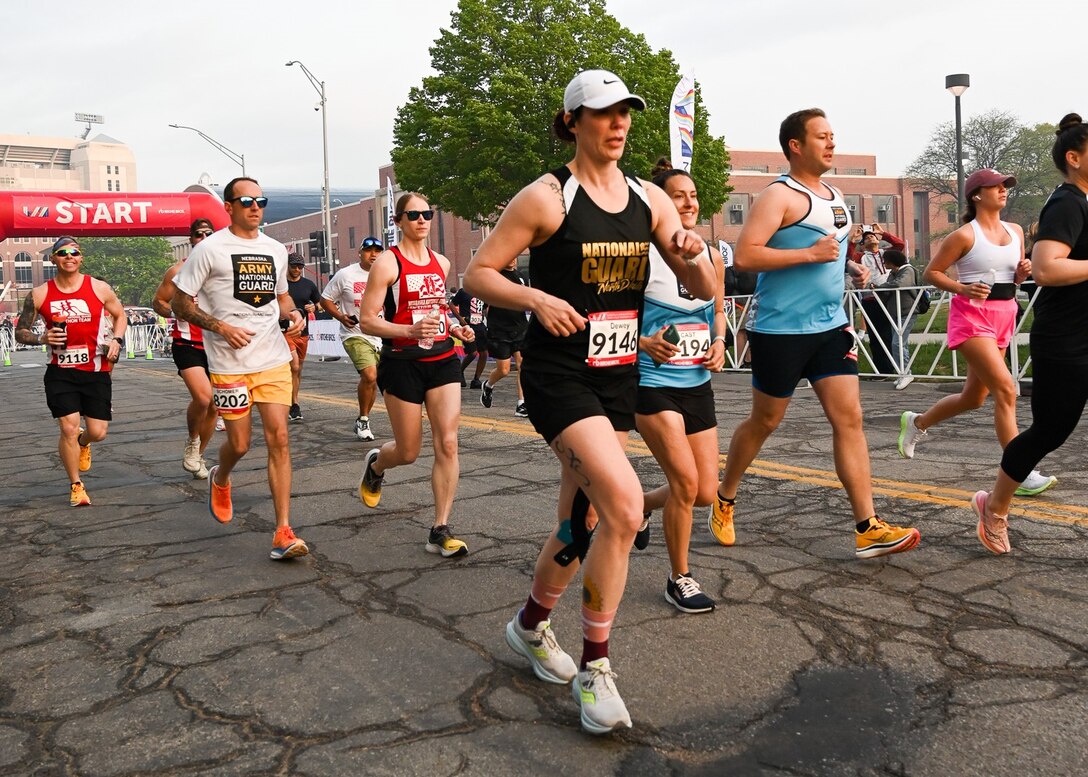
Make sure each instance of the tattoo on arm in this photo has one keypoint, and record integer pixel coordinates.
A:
(559, 193)
(23, 328)
(186, 309)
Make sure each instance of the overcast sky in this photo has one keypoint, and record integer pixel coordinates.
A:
(877, 69)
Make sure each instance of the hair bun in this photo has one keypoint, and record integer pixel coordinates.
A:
(1069, 120)
(662, 165)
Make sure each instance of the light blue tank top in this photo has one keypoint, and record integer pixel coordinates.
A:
(807, 298)
(668, 302)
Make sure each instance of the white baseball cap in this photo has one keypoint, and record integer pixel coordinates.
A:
(598, 89)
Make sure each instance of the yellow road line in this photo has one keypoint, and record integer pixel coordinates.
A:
(917, 492)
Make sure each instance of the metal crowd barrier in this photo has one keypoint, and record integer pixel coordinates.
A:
(901, 312)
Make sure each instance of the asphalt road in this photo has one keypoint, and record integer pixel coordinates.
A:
(140, 637)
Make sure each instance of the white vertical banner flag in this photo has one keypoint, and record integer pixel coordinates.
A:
(682, 122)
(727, 253)
(390, 224)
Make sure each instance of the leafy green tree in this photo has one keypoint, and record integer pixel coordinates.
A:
(999, 140)
(133, 266)
(474, 134)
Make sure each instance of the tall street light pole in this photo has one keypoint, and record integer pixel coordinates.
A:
(238, 159)
(957, 84)
(319, 86)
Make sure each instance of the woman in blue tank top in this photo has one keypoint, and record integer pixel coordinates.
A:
(682, 341)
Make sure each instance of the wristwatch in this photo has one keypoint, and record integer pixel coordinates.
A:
(120, 341)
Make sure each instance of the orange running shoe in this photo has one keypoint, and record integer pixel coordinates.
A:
(84, 453)
(219, 503)
(286, 545)
(79, 495)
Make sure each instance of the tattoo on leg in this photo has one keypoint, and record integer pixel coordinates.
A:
(591, 595)
(571, 459)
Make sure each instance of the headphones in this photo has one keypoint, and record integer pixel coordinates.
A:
(976, 198)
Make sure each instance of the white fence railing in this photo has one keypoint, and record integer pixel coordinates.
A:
(898, 309)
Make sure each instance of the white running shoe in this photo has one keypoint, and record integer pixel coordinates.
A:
(220, 424)
(190, 460)
(550, 663)
(202, 473)
(362, 428)
(1035, 483)
(909, 434)
(595, 692)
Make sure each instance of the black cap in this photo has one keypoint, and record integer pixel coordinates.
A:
(62, 242)
(296, 260)
(371, 242)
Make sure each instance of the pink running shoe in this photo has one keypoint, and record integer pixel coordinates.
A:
(993, 530)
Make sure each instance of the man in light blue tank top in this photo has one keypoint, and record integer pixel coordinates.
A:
(795, 239)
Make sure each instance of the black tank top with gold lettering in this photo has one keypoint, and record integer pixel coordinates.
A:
(599, 263)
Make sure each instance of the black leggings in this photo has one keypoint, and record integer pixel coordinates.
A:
(1058, 394)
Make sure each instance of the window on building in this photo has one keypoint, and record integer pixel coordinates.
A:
(1, 270)
(473, 226)
(24, 275)
(951, 215)
(109, 186)
(351, 237)
(851, 171)
(49, 271)
(853, 204)
(736, 206)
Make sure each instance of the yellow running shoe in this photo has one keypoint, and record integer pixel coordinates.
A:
(84, 453)
(370, 485)
(441, 540)
(881, 538)
(79, 496)
(720, 521)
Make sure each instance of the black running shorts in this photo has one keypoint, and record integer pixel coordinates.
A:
(555, 401)
(694, 404)
(187, 355)
(480, 343)
(69, 391)
(410, 380)
(779, 362)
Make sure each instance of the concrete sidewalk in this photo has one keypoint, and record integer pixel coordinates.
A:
(140, 637)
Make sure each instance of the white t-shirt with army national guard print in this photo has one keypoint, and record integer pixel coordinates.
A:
(238, 280)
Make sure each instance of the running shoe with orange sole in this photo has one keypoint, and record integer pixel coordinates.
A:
(84, 453)
(882, 539)
(79, 496)
(219, 501)
(720, 521)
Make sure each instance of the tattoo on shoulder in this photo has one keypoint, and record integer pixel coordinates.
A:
(555, 187)
(28, 314)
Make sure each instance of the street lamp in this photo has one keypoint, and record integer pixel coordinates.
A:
(957, 84)
(326, 218)
(238, 159)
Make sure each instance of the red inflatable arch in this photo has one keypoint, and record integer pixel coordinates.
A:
(106, 214)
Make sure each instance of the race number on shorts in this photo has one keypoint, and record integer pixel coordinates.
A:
(230, 397)
(74, 356)
(693, 345)
(613, 338)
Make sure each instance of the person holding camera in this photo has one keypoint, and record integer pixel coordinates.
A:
(900, 304)
(865, 241)
(988, 255)
(341, 299)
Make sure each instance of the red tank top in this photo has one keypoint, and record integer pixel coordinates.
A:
(417, 290)
(189, 333)
(88, 332)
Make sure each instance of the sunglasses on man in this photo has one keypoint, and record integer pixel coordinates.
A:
(368, 243)
(247, 202)
(413, 215)
(202, 233)
(68, 252)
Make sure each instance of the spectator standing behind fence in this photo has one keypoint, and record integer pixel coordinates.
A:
(1059, 350)
(900, 304)
(988, 255)
(865, 240)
